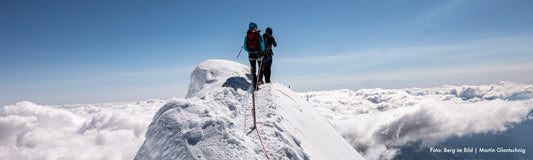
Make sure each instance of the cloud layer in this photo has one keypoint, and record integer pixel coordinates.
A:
(378, 121)
(94, 131)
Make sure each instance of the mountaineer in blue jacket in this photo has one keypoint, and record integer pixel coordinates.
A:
(254, 45)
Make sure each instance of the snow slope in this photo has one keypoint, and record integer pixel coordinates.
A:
(211, 122)
(378, 122)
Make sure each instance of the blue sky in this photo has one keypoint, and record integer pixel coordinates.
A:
(56, 52)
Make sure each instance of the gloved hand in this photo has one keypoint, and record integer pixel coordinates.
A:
(275, 44)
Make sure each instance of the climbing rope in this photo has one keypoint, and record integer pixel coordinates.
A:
(253, 109)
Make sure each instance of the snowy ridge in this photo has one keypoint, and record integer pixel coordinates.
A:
(209, 124)
(379, 121)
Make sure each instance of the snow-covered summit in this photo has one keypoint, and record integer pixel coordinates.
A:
(213, 121)
(214, 75)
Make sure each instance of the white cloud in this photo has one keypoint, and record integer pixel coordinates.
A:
(379, 122)
(94, 131)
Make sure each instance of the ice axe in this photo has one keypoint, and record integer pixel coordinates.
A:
(240, 52)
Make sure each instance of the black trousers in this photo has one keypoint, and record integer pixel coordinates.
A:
(266, 71)
(253, 68)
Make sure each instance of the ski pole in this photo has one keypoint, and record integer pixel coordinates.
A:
(240, 52)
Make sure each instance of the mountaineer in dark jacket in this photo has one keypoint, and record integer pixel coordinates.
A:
(267, 60)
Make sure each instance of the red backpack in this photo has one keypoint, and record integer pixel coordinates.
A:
(252, 43)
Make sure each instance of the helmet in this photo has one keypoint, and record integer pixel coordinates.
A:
(268, 30)
(252, 26)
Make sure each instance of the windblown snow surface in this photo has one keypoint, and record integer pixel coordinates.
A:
(210, 123)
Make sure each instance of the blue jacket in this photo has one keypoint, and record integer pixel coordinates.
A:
(260, 41)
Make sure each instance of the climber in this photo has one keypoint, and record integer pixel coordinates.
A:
(267, 59)
(254, 45)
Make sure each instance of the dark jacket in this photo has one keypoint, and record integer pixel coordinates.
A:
(269, 41)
